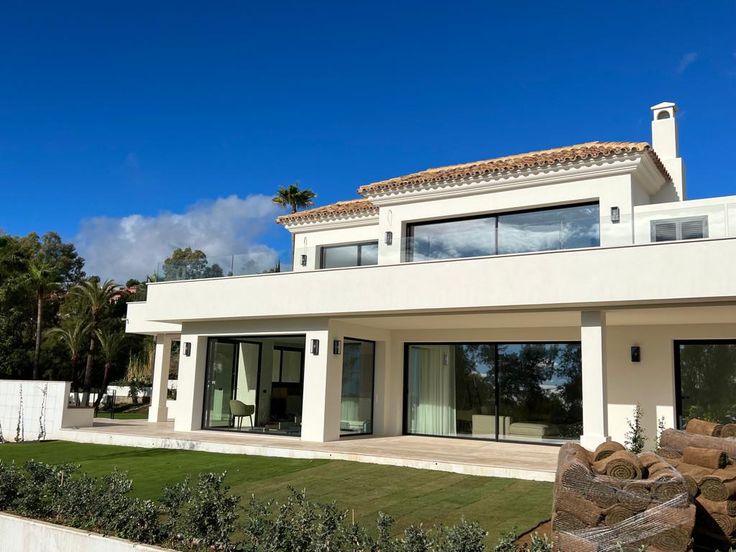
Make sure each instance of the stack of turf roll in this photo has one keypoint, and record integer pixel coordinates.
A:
(611, 498)
(705, 453)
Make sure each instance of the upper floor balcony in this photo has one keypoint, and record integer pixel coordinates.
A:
(566, 228)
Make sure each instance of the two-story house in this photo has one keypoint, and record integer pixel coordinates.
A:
(536, 298)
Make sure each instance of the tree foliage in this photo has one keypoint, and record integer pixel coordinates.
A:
(189, 264)
(33, 267)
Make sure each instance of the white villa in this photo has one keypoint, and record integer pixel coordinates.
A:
(533, 298)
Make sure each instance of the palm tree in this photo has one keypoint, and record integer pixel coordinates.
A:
(42, 280)
(74, 337)
(95, 296)
(110, 344)
(292, 198)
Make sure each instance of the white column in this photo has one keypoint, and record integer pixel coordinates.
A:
(190, 385)
(161, 361)
(595, 399)
(322, 390)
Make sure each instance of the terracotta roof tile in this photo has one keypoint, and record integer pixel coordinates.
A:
(522, 161)
(337, 210)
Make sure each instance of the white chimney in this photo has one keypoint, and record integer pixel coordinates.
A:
(666, 144)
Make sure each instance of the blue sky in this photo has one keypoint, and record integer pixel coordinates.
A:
(130, 125)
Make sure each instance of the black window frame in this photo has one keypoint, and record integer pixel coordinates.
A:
(373, 386)
(495, 344)
(677, 368)
(409, 249)
(246, 338)
(359, 245)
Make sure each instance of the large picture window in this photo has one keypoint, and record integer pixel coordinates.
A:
(504, 391)
(353, 254)
(706, 378)
(569, 227)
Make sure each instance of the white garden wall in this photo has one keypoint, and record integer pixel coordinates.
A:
(29, 535)
(28, 406)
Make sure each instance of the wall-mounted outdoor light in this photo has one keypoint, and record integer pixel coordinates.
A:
(336, 346)
(187, 348)
(389, 239)
(635, 353)
(304, 260)
(315, 346)
(615, 215)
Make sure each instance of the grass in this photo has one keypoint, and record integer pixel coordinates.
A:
(130, 412)
(409, 495)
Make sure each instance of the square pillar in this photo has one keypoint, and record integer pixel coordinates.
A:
(595, 397)
(190, 385)
(322, 390)
(158, 412)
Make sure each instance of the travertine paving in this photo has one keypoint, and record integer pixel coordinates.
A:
(520, 461)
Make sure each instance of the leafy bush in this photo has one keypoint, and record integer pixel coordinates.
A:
(636, 435)
(201, 515)
(11, 480)
(465, 537)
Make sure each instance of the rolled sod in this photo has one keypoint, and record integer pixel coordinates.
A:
(703, 427)
(618, 513)
(606, 449)
(707, 458)
(677, 527)
(720, 485)
(566, 522)
(583, 509)
(576, 476)
(666, 489)
(728, 430)
(603, 493)
(635, 496)
(725, 507)
(620, 465)
(679, 440)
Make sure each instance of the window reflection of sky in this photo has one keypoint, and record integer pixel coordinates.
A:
(550, 229)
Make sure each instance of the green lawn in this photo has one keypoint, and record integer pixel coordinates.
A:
(409, 495)
(129, 415)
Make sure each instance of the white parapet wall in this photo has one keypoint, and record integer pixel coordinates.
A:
(31, 410)
(30, 535)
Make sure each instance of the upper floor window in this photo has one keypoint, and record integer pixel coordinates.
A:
(568, 227)
(686, 228)
(353, 254)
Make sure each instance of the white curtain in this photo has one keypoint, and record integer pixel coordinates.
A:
(432, 390)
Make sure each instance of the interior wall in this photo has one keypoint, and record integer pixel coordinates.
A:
(247, 387)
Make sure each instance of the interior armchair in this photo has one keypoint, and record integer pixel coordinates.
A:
(239, 410)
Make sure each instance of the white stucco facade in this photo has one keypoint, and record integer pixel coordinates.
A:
(626, 290)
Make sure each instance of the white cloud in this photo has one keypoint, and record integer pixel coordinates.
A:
(132, 246)
(686, 61)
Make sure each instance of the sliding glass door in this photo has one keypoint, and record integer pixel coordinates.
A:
(219, 386)
(505, 391)
(356, 406)
(451, 390)
(705, 372)
(254, 384)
